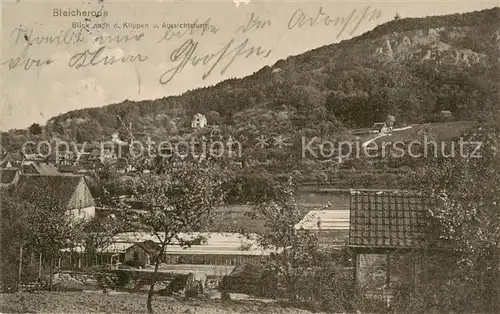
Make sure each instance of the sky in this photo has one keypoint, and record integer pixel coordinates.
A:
(104, 60)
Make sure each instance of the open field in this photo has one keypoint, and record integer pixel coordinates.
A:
(232, 218)
(82, 302)
(444, 131)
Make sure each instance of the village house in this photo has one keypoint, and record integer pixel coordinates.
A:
(221, 253)
(383, 225)
(68, 169)
(8, 177)
(142, 253)
(380, 127)
(70, 190)
(41, 168)
(12, 160)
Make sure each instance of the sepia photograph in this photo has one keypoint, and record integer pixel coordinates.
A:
(250, 156)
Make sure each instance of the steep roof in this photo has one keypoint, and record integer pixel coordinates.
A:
(7, 175)
(84, 157)
(40, 168)
(149, 246)
(67, 169)
(389, 219)
(62, 187)
(16, 156)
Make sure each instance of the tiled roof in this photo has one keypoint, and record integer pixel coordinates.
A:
(41, 168)
(7, 175)
(34, 187)
(389, 219)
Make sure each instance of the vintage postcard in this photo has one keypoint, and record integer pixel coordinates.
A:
(244, 156)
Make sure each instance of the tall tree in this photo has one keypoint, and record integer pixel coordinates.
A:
(42, 226)
(51, 229)
(294, 249)
(35, 129)
(468, 188)
(177, 203)
(97, 234)
(14, 234)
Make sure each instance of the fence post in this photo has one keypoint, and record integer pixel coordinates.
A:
(19, 275)
(40, 267)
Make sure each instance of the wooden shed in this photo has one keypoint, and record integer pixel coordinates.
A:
(383, 225)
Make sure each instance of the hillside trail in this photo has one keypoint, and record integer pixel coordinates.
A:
(385, 134)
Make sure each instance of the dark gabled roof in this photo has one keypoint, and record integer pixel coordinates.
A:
(67, 169)
(51, 157)
(389, 219)
(84, 157)
(7, 175)
(17, 156)
(149, 246)
(34, 187)
(40, 168)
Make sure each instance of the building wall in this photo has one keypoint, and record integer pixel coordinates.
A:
(212, 259)
(82, 203)
(82, 198)
(142, 255)
(372, 270)
(14, 181)
(82, 213)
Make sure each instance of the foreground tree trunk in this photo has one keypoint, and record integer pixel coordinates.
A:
(51, 273)
(152, 287)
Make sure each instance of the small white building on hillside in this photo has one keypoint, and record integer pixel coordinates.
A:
(381, 127)
(199, 121)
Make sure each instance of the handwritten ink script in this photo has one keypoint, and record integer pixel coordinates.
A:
(27, 38)
(98, 57)
(26, 63)
(205, 46)
(185, 54)
(300, 18)
(254, 22)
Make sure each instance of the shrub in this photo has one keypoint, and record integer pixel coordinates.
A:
(193, 292)
(450, 287)
(225, 296)
(122, 278)
(134, 263)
